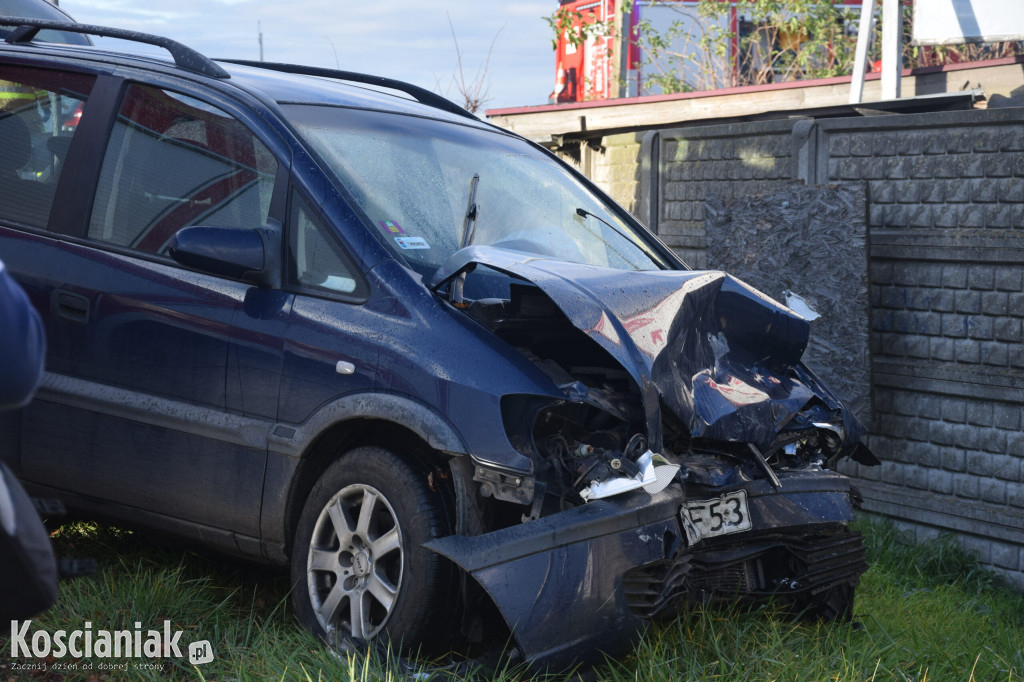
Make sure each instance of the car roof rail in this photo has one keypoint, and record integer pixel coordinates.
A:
(184, 57)
(421, 95)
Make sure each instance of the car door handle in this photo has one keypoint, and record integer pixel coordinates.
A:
(69, 306)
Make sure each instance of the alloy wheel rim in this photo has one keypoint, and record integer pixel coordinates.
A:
(354, 564)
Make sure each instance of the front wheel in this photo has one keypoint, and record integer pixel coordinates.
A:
(358, 567)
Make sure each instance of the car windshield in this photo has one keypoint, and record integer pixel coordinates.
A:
(432, 187)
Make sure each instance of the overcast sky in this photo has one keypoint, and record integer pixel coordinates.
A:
(402, 39)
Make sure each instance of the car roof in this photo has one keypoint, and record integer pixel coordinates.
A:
(282, 83)
(290, 88)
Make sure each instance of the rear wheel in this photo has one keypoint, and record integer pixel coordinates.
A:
(358, 567)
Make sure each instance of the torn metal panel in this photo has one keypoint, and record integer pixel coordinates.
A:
(717, 392)
(719, 355)
(566, 584)
(557, 580)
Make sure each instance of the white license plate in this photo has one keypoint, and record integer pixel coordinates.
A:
(719, 516)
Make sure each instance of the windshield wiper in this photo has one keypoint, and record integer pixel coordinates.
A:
(584, 213)
(468, 234)
(469, 225)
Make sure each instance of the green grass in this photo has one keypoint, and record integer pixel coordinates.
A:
(926, 612)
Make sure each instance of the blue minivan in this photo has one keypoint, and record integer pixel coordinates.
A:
(334, 322)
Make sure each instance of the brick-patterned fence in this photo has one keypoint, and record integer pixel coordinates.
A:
(945, 205)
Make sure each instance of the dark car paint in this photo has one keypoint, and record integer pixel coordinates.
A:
(224, 453)
(558, 580)
(660, 326)
(690, 340)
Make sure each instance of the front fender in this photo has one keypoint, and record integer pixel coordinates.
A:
(287, 443)
(425, 422)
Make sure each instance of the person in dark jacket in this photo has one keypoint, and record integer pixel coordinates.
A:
(28, 570)
(22, 344)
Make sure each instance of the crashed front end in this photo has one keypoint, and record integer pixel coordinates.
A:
(687, 458)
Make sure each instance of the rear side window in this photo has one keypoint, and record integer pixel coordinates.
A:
(174, 161)
(39, 114)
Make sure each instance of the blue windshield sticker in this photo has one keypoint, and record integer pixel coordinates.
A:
(412, 242)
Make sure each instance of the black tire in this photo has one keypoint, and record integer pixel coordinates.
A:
(361, 575)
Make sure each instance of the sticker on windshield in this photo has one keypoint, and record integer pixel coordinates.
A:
(412, 242)
(392, 227)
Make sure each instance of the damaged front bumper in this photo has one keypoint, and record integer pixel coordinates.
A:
(584, 582)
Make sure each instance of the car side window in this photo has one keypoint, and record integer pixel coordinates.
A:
(174, 161)
(39, 114)
(315, 259)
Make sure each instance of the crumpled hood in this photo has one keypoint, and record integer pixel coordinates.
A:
(723, 357)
